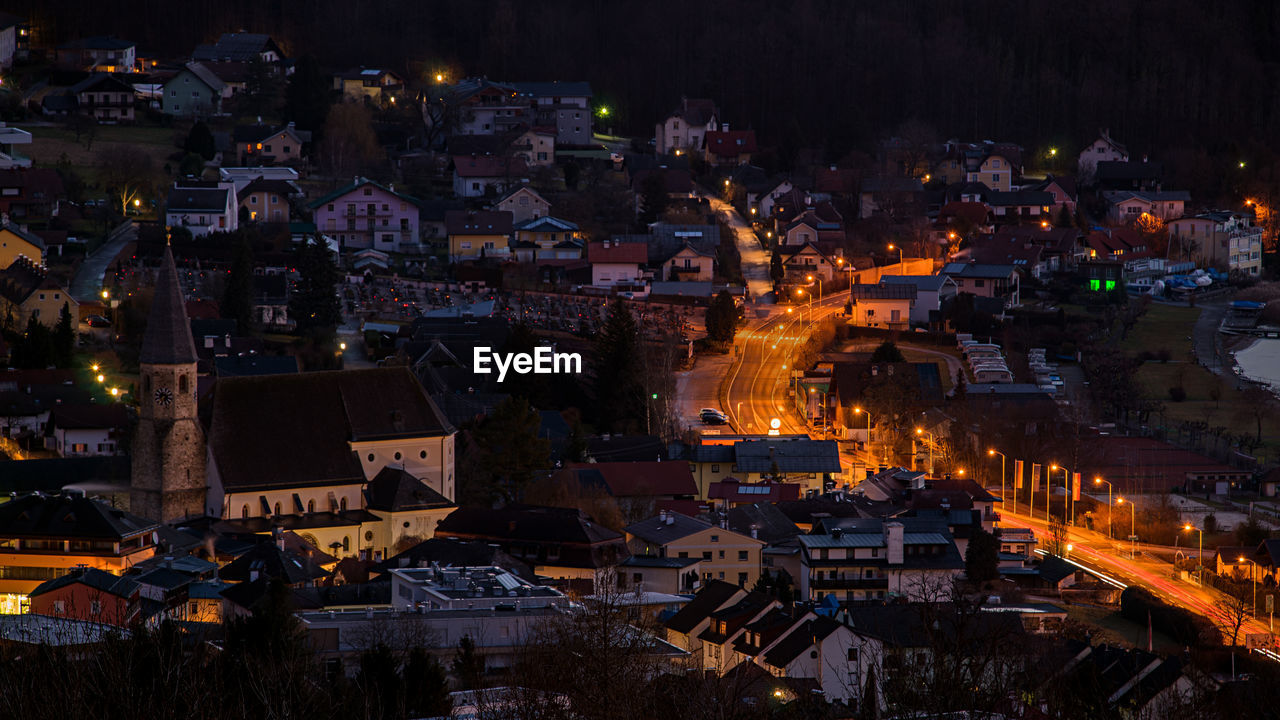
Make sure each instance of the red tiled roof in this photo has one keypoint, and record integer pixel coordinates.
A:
(835, 180)
(616, 252)
(730, 143)
(489, 166)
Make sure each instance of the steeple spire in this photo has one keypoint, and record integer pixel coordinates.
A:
(167, 340)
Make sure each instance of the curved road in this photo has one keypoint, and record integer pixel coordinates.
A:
(87, 284)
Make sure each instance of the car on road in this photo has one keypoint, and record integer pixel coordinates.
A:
(712, 416)
(97, 321)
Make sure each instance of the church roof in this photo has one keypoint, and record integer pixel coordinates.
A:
(167, 340)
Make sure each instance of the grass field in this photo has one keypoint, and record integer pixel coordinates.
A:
(50, 144)
(1163, 327)
(1230, 410)
(1110, 627)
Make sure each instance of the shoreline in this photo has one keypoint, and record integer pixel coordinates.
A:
(1261, 363)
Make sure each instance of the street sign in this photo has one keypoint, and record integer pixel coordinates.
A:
(1271, 603)
(1260, 641)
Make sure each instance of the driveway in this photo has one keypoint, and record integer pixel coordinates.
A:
(755, 261)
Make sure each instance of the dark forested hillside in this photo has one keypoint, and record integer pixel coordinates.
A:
(1189, 80)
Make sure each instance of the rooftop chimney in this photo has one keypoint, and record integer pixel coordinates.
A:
(893, 542)
(724, 127)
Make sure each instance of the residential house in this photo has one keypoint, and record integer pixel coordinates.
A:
(28, 193)
(920, 383)
(564, 105)
(535, 145)
(106, 54)
(367, 214)
(193, 91)
(42, 537)
(547, 238)
(816, 648)
(105, 98)
(267, 200)
(87, 593)
(893, 197)
(478, 176)
(722, 649)
(28, 291)
(1063, 191)
(616, 263)
(481, 234)
(524, 203)
(487, 108)
(766, 201)
(1121, 243)
(726, 555)
(725, 147)
(933, 294)
(1221, 239)
(684, 130)
(268, 144)
(813, 464)
(874, 559)
(559, 543)
(16, 242)
(992, 281)
(202, 207)
(685, 627)
(1133, 176)
(728, 494)
(1125, 206)
(886, 305)
(1061, 248)
(9, 155)
(1026, 256)
(1104, 149)
(997, 166)
(690, 264)
(650, 573)
(819, 224)
(805, 261)
(1020, 204)
(362, 83)
(240, 47)
(666, 239)
(85, 430)
(358, 423)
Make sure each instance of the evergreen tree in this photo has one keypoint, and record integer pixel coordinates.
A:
(653, 197)
(34, 350)
(887, 352)
(314, 304)
(64, 338)
(426, 687)
(237, 295)
(511, 455)
(467, 665)
(618, 390)
(571, 174)
(200, 141)
(982, 557)
(722, 318)
(261, 88)
(307, 96)
(776, 271)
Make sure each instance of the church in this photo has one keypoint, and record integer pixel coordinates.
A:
(353, 461)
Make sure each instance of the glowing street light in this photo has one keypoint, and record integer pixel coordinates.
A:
(893, 247)
(342, 346)
(1053, 152)
(439, 77)
(1133, 524)
(1199, 558)
(992, 452)
(115, 392)
(603, 111)
(95, 367)
(726, 182)
(922, 432)
(106, 294)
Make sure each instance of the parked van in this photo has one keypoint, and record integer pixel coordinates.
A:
(992, 375)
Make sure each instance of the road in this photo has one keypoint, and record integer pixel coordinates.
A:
(755, 260)
(1109, 559)
(87, 284)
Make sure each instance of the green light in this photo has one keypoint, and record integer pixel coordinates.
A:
(1095, 284)
(654, 396)
(1111, 285)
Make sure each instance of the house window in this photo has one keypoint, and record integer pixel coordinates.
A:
(715, 468)
(346, 543)
(706, 554)
(715, 538)
(267, 148)
(244, 512)
(330, 207)
(253, 199)
(59, 606)
(342, 506)
(742, 556)
(721, 554)
(311, 506)
(368, 192)
(277, 509)
(682, 554)
(995, 177)
(475, 186)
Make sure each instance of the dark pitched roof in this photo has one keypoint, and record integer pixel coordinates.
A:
(167, 340)
(20, 279)
(730, 143)
(97, 42)
(660, 532)
(268, 560)
(97, 579)
(358, 183)
(526, 522)
(484, 222)
(66, 516)
(709, 599)
(769, 522)
(801, 638)
(279, 187)
(101, 82)
(197, 199)
(459, 553)
(636, 479)
(792, 455)
(89, 417)
(254, 417)
(394, 490)
(236, 46)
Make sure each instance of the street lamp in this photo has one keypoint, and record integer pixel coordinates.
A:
(102, 378)
(992, 452)
(901, 270)
(960, 472)
(1200, 557)
(929, 444)
(1066, 483)
(1099, 481)
(1252, 581)
(1133, 524)
(811, 278)
(860, 411)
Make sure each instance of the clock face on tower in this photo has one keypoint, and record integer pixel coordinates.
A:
(164, 396)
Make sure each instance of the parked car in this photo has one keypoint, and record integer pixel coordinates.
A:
(97, 321)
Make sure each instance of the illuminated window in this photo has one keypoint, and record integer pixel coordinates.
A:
(1095, 284)
(1111, 285)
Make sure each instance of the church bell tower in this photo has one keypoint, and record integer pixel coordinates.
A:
(168, 473)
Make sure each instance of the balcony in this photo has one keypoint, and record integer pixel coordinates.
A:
(880, 582)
